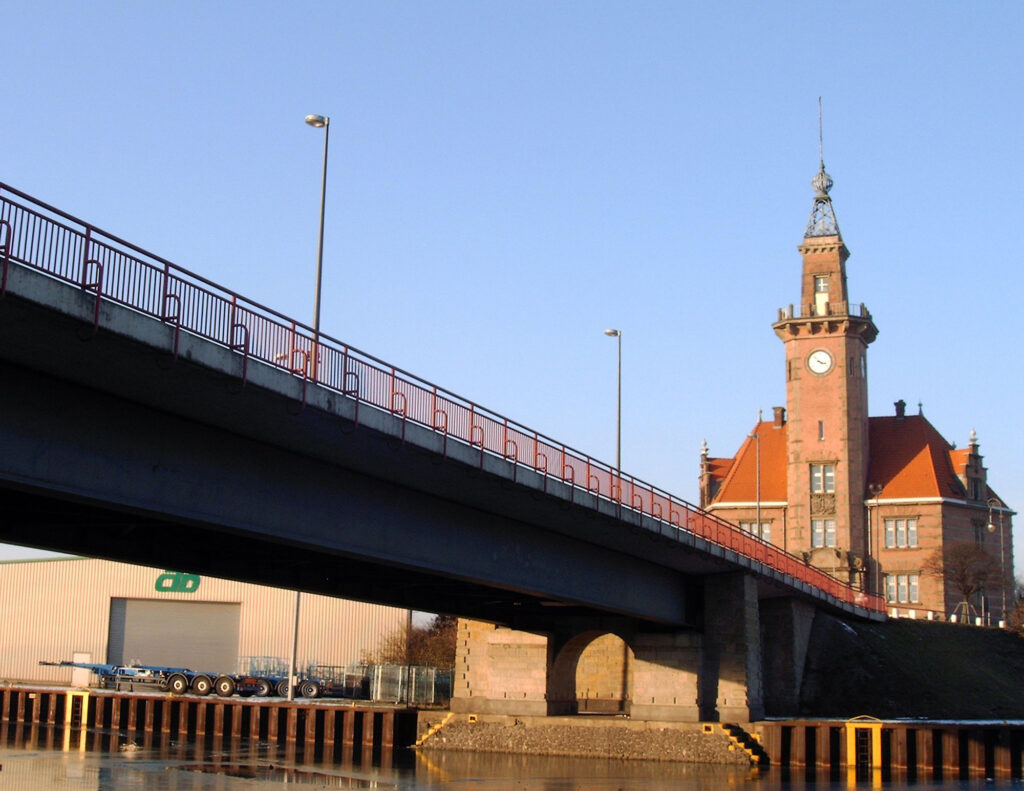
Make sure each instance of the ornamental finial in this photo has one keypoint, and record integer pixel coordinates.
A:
(822, 183)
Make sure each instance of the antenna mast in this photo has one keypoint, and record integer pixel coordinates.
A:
(823, 218)
(821, 138)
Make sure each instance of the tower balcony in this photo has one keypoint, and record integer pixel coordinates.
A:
(828, 318)
(826, 309)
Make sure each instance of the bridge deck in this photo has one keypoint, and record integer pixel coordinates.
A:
(244, 368)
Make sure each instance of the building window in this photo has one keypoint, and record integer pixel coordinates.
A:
(901, 588)
(823, 478)
(979, 531)
(863, 367)
(821, 430)
(900, 533)
(821, 284)
(765, 533)
(823, 533)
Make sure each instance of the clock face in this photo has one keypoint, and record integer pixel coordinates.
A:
(819, 362)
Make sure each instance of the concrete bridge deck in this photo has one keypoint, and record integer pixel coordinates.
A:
(152, 417)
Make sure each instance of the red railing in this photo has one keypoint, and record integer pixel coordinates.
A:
(40, 236)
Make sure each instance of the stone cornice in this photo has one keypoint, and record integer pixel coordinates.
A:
(804, 326)
(820, 245)
(871, 502)
(751, 504)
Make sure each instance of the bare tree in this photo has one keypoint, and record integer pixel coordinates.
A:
(965, 567)
(429, 646)
(1015, 621)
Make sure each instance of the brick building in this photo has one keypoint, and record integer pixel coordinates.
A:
(868, 499)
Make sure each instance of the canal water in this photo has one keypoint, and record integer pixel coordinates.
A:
(51, 759)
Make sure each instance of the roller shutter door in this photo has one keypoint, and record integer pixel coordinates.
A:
(199, 635)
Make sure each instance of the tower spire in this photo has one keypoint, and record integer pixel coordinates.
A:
(821, 138)
(823, 217)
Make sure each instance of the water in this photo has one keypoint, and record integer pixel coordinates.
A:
(51, 759)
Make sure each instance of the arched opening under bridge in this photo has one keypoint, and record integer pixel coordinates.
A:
(591, 673)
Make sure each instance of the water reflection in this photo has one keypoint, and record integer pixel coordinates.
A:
(499, 772)
(38, 757)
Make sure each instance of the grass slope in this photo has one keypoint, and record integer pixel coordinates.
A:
(905, 668)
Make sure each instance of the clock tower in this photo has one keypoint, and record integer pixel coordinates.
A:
(826, 341)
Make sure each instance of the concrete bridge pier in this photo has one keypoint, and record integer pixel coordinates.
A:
(499, 671)
(785, 637)
(615, 668)
(732, 688)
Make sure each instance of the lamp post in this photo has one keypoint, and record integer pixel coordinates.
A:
(295, 648)
(756, 436)
(874, 538)
(319, 121)
(993, 503)
(316, 121)
(618, 420)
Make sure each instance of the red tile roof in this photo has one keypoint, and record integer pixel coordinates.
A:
(739, 483)
(909, 458)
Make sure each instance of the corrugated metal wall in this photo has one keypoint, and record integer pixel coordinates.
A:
(195, 634)
(52, 608)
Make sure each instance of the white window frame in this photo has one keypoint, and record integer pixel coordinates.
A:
(765, 533)
(823, 478)
(903, 588)
(900, 532)
(823, 533)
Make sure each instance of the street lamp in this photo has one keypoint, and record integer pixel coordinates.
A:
(618, 420)
(756, 436)
(993, 503)
(316, 121)
(874, 537)
(319, 121)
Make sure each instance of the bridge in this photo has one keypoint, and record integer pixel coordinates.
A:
(151, 416)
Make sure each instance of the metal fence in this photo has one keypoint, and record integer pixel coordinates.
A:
(37, 235)
(413, 684)
(272, 666)
(418, 686)
(346, 681)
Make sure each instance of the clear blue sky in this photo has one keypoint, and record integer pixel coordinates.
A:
(506, 180)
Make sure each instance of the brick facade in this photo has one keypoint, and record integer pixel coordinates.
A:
(867, 499)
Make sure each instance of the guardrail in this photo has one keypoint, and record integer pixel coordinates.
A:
(40, 236)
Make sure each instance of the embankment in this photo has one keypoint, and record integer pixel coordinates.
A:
(904, 668)
(586, 737)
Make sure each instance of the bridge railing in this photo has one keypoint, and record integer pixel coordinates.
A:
(47, 239)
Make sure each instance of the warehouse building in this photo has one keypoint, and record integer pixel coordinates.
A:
(100, 611)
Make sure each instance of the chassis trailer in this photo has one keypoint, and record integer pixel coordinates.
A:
(166, 679)
(177, 680)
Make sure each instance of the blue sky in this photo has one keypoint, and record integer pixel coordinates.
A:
(506, 180)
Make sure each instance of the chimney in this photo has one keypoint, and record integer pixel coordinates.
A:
(901, 409)
(780, 416)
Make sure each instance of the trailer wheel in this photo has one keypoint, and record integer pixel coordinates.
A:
(264, 688)
(282, 688)
(225, 686)
(177, 684)
(309, 689)
(202, 685)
